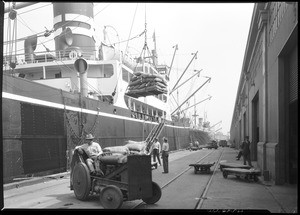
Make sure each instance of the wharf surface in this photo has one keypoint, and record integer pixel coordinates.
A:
(230, 193)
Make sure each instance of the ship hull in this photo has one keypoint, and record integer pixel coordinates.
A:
(42, 125)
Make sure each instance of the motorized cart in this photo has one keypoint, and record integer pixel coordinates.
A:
(130, 180)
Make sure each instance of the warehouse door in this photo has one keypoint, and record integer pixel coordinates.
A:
(293, 115)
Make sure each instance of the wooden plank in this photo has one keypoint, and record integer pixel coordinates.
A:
(203, 164)
(233, 165)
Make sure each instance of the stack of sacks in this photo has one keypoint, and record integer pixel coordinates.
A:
(136, 148)
(143, 84)
(115, 155)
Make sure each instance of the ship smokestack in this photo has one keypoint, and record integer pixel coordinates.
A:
(81, 66)
(30, 44)
(74, 30)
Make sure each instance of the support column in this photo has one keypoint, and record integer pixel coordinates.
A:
(44, 72)
(263, 18)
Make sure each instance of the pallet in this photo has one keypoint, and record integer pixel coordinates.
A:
(233, 165)
(247, 174)
(194, 148)
(202, 167)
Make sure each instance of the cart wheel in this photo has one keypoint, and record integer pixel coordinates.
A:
(225, 174)
(195, 170)
(247, 178)
(156, 194)
(111, 197)
(81, 181)
(237, 176)
(255, 178)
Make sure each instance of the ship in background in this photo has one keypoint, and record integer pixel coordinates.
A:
(51, 99)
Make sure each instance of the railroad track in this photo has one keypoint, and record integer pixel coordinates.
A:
(203, 194)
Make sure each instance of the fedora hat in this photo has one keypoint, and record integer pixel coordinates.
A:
(89, 137)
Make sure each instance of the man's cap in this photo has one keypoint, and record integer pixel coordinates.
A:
(89, 137)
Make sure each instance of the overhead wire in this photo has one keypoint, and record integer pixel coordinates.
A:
(131, 28)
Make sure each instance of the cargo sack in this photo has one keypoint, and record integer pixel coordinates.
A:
(135, 146)
(117, 149)
(113, 159)
(137, 152)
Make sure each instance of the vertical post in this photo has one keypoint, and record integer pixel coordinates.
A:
(44, 72)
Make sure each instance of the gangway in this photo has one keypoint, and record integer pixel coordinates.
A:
(154, 133)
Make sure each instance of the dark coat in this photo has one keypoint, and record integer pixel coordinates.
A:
(245, 147)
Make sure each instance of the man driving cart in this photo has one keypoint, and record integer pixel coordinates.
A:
(93, 150)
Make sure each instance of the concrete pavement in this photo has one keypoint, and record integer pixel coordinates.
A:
(229, 193)
(234, 193)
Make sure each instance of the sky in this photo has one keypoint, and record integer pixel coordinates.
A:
(218, 31)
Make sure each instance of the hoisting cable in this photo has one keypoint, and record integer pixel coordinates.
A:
(131, 28)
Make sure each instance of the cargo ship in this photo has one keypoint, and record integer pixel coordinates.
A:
(52, 99)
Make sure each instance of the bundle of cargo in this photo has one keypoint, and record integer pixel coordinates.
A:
(137, 148)
(113, 158)
(143, 84)
(114, 155)
(117, 150)
(118, 154)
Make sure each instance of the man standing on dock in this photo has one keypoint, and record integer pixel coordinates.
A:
(165, 155)
(155, 150)
(246, 151)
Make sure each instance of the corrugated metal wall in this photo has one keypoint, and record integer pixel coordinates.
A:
(42, 135)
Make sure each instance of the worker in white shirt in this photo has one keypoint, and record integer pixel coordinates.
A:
(165, 155)
(155, 148)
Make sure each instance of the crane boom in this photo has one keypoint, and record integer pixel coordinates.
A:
(195, 55)
(215, 124)
(191, 96)
(196, 103)
(176, 48)
(185, 81)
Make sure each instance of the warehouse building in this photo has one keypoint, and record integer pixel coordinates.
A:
(266, 106)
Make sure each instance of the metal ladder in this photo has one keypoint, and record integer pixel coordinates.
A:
(155, 132)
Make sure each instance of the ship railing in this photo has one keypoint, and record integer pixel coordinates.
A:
(145, 116)
(48, 56)
(61, 83)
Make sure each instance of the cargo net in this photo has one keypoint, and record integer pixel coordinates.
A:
(143, 84)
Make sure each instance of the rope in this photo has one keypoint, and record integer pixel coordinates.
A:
(131, 28)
